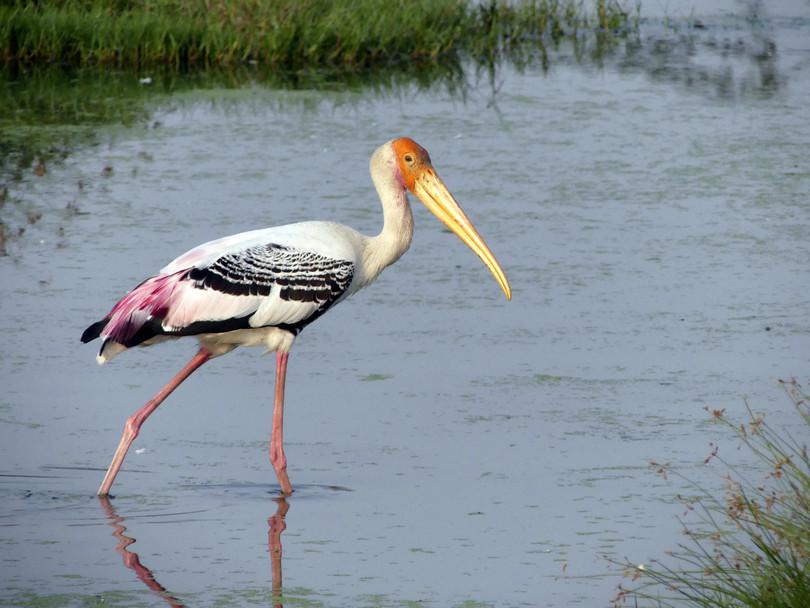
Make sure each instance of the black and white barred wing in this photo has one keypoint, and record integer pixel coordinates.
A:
(263, 285)
(275, 284)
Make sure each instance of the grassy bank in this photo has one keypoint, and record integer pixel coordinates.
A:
(346, 35)
(750, 547)
(49, 110)
(70, 66)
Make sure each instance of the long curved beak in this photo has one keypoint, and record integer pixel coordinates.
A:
(436, 197)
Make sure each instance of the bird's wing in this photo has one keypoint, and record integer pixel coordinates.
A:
(207, 253)
(328, 239)
(255, 286)
(269, 285)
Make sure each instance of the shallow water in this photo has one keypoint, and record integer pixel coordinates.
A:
(447, 447)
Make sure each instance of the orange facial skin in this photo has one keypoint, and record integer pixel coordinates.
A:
(412, 160)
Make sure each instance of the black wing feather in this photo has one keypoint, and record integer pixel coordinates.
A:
(301, 276)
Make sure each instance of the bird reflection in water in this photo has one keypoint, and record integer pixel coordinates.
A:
(276, 526)
(131, 559)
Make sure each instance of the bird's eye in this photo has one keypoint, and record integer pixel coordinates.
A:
(409, 159)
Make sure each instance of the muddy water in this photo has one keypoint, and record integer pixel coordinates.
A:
(447, 447)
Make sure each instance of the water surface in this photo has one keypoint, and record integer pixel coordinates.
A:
(447, 447)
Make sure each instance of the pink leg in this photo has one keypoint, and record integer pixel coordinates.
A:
(134, 422)
(277, 457)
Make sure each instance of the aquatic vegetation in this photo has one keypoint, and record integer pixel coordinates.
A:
(750, 547)
(50, 110)
(68, 65)
(346, 35)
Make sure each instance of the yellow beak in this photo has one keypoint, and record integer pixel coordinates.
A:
(436, 197)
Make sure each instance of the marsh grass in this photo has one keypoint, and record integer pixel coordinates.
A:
(750, 547)
(345, 35)
(48, 111)
(69, 66)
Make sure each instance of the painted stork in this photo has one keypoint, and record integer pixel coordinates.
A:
(261, 288)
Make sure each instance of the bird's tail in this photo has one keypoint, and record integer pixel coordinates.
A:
(94, 331)
(136, 317)
(109, 348)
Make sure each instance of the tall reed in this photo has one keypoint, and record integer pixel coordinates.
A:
(750, 547)
(288, 34)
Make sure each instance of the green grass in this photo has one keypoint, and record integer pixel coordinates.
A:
(344, 35)
(69, 66)
(751, 546)
(47, 111)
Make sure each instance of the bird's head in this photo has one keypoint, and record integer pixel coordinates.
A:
(415, 172)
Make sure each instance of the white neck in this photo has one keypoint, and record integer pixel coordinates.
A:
(397, 233)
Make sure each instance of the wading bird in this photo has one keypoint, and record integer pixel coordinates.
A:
(261, 288)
